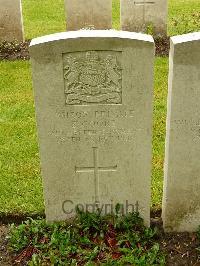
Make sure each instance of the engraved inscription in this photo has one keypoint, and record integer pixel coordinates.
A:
(123, 113)
(95, 169)
(94, 136)
(192, 125)
(96, 127)
(93, 78)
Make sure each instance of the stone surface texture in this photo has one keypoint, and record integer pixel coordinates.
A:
(93, 95)
(88, 14)
(144, 16)
(11, 22)
(181, 200)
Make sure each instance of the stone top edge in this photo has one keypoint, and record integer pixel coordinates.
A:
(92, 34)
(195, 36)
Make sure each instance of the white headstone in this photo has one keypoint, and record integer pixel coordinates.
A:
(11, 25)
(181, 201)
(89, 14)
(144, 15)
(93, 95)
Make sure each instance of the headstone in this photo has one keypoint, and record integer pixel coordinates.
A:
(11, 25)
(181, 201)
(89, 14)
(93, 95)
(144, 16)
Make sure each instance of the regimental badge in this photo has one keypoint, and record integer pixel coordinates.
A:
(92, 79)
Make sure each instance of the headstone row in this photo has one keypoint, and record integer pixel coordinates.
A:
(93, 95)
(136, 16)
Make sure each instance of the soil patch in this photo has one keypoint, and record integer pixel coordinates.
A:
(14, 51)
(20, 51)
(19, 218)
(162, 46)
(181, 249)
(5, 258)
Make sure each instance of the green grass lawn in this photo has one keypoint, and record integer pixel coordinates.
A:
(43, 17)
(184, 16)
(20, 182)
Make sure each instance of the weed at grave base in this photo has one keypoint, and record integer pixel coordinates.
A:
(91, 239)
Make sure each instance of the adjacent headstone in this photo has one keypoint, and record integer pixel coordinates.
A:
(93, 95)
(11, 24)
(89, 14)
(144, 16)
(181, 201)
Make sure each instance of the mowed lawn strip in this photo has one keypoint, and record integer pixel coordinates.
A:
(20, 181)
(184, 16)
(159, 128)
(42, 17)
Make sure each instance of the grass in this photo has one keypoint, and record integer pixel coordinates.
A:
(184, 16)
(43, 17)
(159, 125)
(20, 182)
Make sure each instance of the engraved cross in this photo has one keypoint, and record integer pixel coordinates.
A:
(96, 169)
